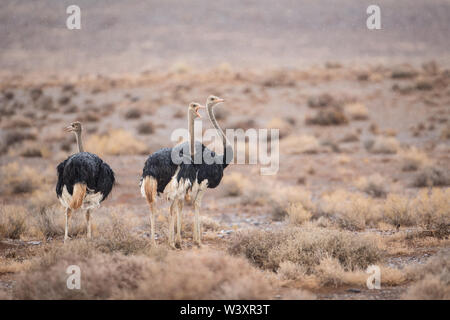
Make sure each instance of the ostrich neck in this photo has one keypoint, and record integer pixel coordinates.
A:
(191, 134)
(79, 142)
(225, 142)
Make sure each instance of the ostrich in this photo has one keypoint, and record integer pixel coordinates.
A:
(206, 174)
(159, 177)
(84, 181)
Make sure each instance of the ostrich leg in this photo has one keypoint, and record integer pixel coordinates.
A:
(66, 232)
(172, 223)
(88, 222)
(197, 221)
(179, 222)
(152, 223)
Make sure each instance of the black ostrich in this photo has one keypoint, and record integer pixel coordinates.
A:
(206, 172)
(159, 178)
(84, 180)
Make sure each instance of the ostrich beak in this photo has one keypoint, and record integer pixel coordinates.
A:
(220, 100)
(68, 129)
(196, 110)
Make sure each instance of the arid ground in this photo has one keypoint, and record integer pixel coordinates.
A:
(364, 150)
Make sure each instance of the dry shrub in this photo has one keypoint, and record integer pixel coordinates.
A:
(375, 185)
(404, 72)
(116, 142)
(433, 279)
(90, 116)
(133, 113)
(300, 144)
(382, 144)
(208, 225)
(298, 214)
(16, 136)
(18, 122)
(257, 195)
(328, 117)
(282, 197)
(49, 222)
(235, 184)
(321, 101)
(115, 234)
(432, 209)
(396, 211)
(208, 275)
(305, 247)
(351, 210)
(357, 111)
(445, 133)
(432, 176)
(12, 221)
(19, 179)
(280, 124)
(331, 273)
(45, 103)
(31, 149)
(413, 159)
(146, 128)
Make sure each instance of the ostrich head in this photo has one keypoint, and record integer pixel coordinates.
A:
(193, 109)
(74, 127)
(213, 100)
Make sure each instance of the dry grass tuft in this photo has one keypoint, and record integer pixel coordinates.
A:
(13, 137)
(305, 247)
(146, 128)
(300, 144)
(235, 184)
(280, 199)
(351, 210)
(357, 111)
(116, 142)
(19, 179)
(328, 117)
(413, 159)
(432, 176)
(280, 124)
(431, 209)
(298, 214)
(396, 211)
(382, 144)
(374, 185)
(18, 122)
(133, 113)
(433, 279)
(12, 222)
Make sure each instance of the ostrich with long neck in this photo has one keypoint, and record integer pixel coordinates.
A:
(206, 174)
(159, 178)
(84, 181)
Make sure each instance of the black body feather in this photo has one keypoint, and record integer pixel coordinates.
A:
(87, 168)
(160, 166)
(212, 172)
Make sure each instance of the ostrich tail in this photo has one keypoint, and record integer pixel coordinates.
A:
(150, 185)
(79, 191)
